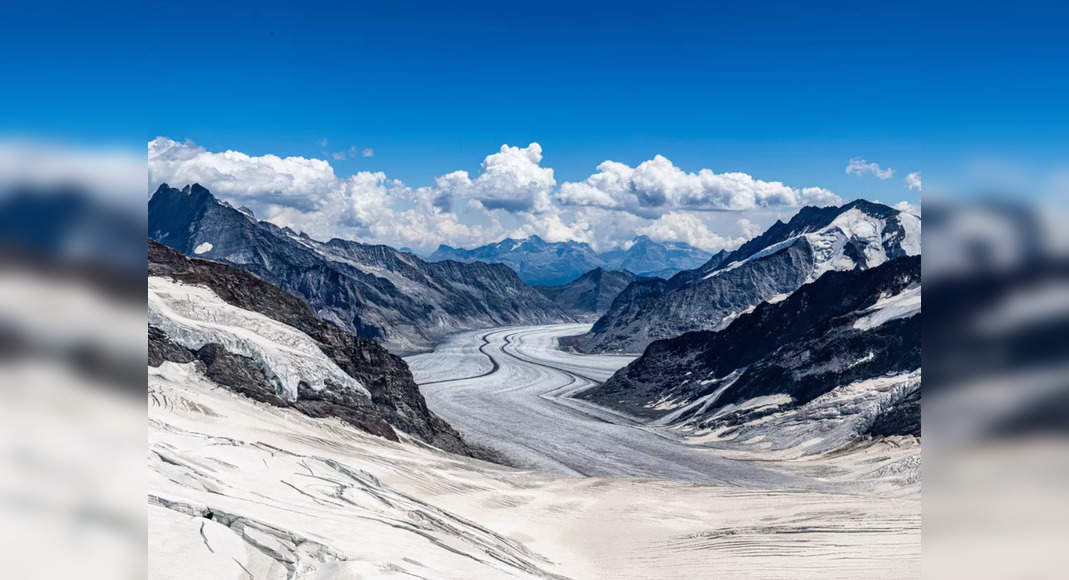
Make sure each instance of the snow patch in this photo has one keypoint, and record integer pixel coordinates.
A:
(202, 248)
(902, 305)
(193, 316)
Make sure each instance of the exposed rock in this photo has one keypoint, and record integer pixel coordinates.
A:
(844, 328)
(373, 291)
(591, 293)
(858, 235)
(395, 397)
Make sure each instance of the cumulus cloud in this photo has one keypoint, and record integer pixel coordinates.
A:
(295, 181)
(687, 227)
(907, 207)
(511, 179)
(339, 156)
(511, 195)
(367, 152)
(858, 166)
(657, 186)
(748, 228)
(913, 181)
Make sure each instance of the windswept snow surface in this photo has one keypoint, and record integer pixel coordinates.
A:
(193, 316)
(239, 489)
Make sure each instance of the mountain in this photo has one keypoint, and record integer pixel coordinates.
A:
(545, 263)
(646, 257)
(251, 337)
(374, 291)
(857, 235)
(591, 293)
(536, 261)
(837, 359)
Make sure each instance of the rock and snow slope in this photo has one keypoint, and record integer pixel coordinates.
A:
(858, 235)
(241, 489)
(590, 294)
(376, 292)
(255, 339)
(837, 360)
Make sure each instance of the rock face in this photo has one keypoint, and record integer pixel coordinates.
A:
(545, 263)
(857, 235)
(648, 258)
(380, 398)
(590, 294)
(848, 345)
(374, 291)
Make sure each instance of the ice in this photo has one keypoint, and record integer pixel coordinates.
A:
(902, 305)
(193, 316)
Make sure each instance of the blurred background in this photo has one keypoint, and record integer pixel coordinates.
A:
(72, 360)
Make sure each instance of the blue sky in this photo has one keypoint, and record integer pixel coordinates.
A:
(780, 91)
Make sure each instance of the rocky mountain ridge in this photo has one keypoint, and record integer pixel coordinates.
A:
(857, 235)
(545, 263)
(374, 291)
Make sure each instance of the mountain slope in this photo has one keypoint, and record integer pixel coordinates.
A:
(591, 293)
(556, 263)
(258, 340)
(376, 292)
(860, 235)
(646, 257)
(536, 261)
(847, 344)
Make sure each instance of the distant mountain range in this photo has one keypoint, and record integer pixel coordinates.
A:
(590, 294)
(838, 359)
(545, 263)
(857, 235)
(374, 291)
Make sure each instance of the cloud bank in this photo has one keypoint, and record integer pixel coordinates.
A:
(511, 195)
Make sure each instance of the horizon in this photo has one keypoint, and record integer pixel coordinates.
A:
(513, 195)
(622, 245)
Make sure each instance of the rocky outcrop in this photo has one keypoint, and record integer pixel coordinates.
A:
(590, 294)
(374, 291)
(394, 402)
(858, 235)
(851, 330)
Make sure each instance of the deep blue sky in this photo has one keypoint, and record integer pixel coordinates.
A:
(776, 89)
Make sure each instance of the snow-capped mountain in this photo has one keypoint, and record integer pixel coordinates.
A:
(857, 235)
(545, 263)
(255, 339)
(592, 293)
(646, 257)
(838, 359)
(375, 291)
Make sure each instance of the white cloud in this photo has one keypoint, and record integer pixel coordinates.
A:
(913, 181)
(511, 179)
(511, 195)
(858, 166)
(297, 181)
(657, 186)
(687, 227)
(367, 152)
(748, 228)
(905, 206)
(339, 156)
